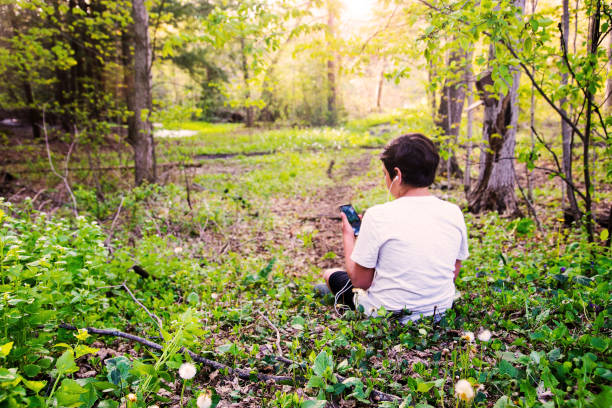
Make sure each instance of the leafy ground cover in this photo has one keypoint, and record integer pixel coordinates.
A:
(226, 255)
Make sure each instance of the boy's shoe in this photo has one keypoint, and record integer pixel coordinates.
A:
(321, 289)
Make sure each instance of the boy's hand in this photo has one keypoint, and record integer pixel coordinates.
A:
(347, 229)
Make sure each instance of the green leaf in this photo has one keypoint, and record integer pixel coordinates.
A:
(118, 369)
(108, 404)
(6, 349)
(141, 369)
(506, 368)
(316, 382)
(504, 402)
(35, 386)
(425, 386)
(193, 298)
(31, 370)
(313, 404)
(69, 394)
(65, 363)
(83, 349)
(322, 362)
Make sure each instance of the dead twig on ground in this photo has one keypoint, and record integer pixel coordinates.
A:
(152, 315)
(278, 337)
(240, 373)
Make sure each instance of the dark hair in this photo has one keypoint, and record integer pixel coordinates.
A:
(415, 155)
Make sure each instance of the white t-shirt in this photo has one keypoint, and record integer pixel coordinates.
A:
(413, 243)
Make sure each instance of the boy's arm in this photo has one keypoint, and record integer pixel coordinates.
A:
(457, 268)
(361, 277)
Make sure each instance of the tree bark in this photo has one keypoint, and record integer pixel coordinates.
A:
(379, 88)
(495, 187)
(470, 123)
(609, 81)
(250, 114)
(140, 131)
(332, 108)
(567, 135)
(451, 105)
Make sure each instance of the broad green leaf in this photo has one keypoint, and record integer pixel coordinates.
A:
(322, 362)
(83, 349)
(35, 386)
(65, 363)
(425, 386)
(69, 393)
(6, 349)
(314, 404)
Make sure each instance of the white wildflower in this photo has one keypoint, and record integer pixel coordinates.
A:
(204, 400)
(469, 336)
(464, 390)
(214, 295)
(484, 335)
(178, 250)
(187, 371)
(132, 397)
(153, 406)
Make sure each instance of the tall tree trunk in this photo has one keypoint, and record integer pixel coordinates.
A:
(332, 103)
(140, 131)
(609, 81)
(495, 188)
(451, 106)
(469, 77)
(250, 113)
(593, 41)
(379, 88)
(567, 135)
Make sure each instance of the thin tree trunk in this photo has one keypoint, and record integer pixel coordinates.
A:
(250, 114)
(470, 123)
(609, 82)
(593, 41)
(451, 106)
(379, 89)
(567, 135)
(332, 108)
(140, 132)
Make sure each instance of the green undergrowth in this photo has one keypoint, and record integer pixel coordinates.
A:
(218, 263)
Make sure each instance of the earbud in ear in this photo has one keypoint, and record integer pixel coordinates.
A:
(395, 177)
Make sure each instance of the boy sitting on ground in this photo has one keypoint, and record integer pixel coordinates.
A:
(409, 251)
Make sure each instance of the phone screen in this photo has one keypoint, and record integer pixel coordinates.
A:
(352, 217)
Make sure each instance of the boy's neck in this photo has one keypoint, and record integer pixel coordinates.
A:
(408, 191)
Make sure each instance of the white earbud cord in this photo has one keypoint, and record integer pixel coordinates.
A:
(390, 187)
(340, 293)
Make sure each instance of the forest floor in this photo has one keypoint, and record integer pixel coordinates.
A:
(232, 248)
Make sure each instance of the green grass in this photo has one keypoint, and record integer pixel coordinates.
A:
(244, 246)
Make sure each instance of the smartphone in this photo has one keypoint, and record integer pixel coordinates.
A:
(352, 217)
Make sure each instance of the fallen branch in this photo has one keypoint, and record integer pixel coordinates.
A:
(278, 337)
(140, 271)
(240, 373)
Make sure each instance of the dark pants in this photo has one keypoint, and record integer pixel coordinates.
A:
(342, 288)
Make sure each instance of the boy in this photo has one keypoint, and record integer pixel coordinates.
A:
(409, 250)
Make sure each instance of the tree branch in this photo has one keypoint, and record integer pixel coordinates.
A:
(63, 178)
(240, 373)
(153, 316)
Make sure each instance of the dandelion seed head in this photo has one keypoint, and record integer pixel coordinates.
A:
(464, 390)
(187, 371)
(468, 336)
(484, 335)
